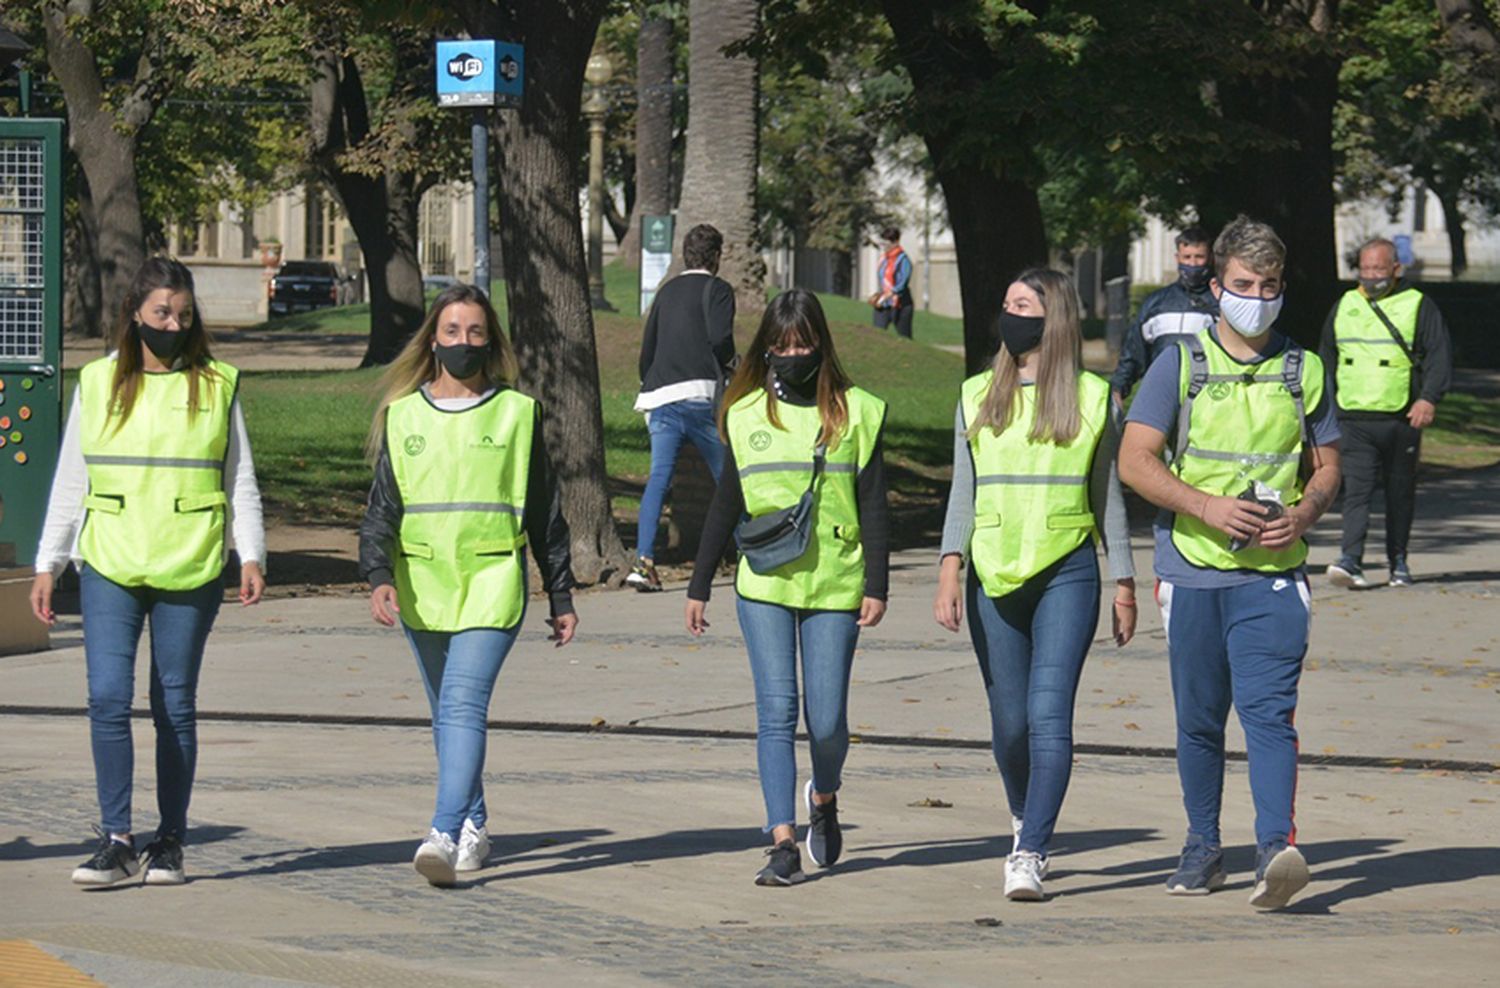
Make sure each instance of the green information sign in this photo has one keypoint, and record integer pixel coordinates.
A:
(656, 256)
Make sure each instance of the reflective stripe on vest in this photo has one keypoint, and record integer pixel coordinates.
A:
(462, 477)
(775, 465)
(1373, 373)
(154, 514)
(1243, 427)
(1018, 481)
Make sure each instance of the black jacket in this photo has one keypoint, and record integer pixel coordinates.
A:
(689, 332)
(1165, 315)
(1433, 350)
(546, 529)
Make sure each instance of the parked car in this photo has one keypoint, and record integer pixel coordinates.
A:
(301, 286)
(434, 283)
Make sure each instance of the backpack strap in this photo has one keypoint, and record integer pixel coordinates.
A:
(1291, 377)
(1191, 348)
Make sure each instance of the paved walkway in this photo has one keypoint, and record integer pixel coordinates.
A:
(625, 858)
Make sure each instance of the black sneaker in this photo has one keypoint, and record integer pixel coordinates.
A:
(785, 866)
(643, 576)
(113, 861)
(824, 840)
(1400, 572)
(164, 861)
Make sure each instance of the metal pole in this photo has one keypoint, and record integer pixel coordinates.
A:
(596, 109)
(480, 139)
(926, 248)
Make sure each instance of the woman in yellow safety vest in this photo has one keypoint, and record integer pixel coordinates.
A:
(1033, 466)
(155, 465)
(794, 424)
(462, 485)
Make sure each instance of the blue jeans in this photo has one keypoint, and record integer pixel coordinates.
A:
(1031, 645)
(672, 425)
(1242, 645)
(113, 617)
(459, 671)
(828, 637)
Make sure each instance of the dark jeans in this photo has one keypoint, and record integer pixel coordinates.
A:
(900, 316)
(1031, 645)
(670, 426)
(1372, 450)
(113, 617)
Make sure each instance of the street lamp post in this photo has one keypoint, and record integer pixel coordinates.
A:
(597, 73)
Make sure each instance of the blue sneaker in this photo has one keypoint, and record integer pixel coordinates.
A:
(1280, 873)
(1348, 574)
(1200, 870)
(1400, 573)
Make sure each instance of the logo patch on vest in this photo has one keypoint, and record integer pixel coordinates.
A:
(1219, 390)
(760, 440)
(488, 444)
(414, 445)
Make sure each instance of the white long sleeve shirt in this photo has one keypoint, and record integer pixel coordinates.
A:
(70, 484)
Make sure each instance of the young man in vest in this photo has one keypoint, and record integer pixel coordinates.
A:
(1392, 362)
(1250, 419)
(1184, 308)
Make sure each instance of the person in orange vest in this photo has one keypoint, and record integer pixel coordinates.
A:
(893, 301)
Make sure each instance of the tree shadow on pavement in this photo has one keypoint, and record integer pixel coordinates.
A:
(977, 849)
(295, 859)
(1377, 875)
(22, 849)
(632, 851)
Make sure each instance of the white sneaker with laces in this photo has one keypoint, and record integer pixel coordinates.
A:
(473, 847)
(435, 859)
(1023, 877)
(1015, 844)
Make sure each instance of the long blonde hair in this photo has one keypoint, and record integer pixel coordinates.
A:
(794, 318)
(125, 383)
(1057, 419)
(416, 364)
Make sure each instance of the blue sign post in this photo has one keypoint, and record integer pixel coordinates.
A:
(480, 73)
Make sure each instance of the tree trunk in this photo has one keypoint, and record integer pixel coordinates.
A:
(104, 139)
(1453, 221)
(381, 208)
(723, 144)
(1290, 188)
(996, 218)
(545, 274)
(82, 302)
(653, 131)
(1473, 34)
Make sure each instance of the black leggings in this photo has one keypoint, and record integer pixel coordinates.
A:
(1372, 449)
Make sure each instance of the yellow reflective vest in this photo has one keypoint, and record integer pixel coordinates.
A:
(775, 465)
(462, 477)
(1031, 499)
(155, 508)
(1239, 424)
(1373, 372)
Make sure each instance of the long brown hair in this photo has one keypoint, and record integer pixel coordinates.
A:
(416, 364)
(173, 275)
(1061, 357)
(794, 318)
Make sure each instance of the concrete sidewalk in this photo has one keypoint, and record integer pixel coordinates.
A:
(626, 860)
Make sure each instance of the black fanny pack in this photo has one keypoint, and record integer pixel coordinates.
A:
(773, 540)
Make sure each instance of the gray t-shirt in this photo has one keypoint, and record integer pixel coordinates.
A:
(1156, 405)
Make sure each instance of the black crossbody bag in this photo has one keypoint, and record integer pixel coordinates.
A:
(773, 540)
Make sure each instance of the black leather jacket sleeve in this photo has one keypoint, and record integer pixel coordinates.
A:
(546, 530)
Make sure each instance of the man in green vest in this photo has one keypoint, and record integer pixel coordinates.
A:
(1388, 348)
(1255, 463)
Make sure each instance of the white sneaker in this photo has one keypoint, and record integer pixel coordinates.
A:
(435, 859)
(1023, 877)
(473, 847)
(1015, 844)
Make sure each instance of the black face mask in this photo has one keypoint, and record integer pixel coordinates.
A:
(462, 360)
(1194, 276)
(1376, 288)
(164, 343)
(1021, 333)
(796, 371)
